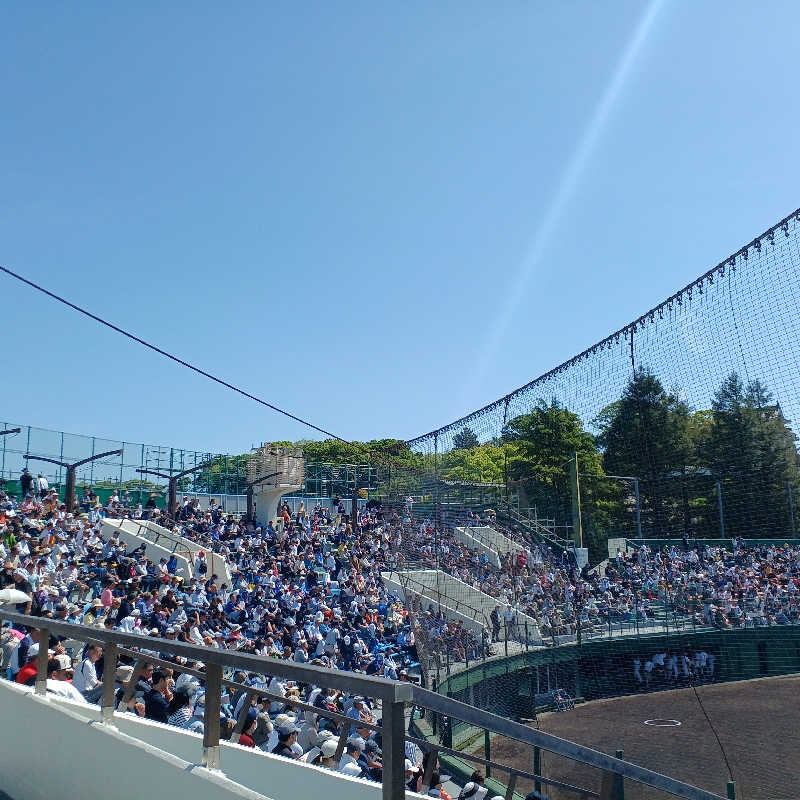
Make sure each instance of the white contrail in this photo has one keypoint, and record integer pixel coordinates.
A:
(566, 186)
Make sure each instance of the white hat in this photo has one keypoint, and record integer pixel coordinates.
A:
(64, 661)
(329, 748)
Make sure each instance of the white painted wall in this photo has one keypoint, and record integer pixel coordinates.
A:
(456, 595)
(53, 750)
(140, 759)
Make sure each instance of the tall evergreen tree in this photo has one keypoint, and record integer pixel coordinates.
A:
(646, 434)
(465, 439)
(751, 451)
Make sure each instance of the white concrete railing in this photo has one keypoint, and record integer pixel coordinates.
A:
(134, 535)
(473, 623)
(58, 749)
(217, 565)
(160, 542)
(489, 542)
(441, 588)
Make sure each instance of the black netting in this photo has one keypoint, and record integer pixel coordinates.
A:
(623, 529)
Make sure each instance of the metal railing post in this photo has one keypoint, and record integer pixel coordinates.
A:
(242, 718)
(211, 716)
(394, 756)
(41, 662)
(109, 675)
(619, 781)
(512, 783)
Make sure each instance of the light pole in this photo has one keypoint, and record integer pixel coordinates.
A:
(71, 468)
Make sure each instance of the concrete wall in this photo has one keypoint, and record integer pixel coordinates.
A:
(142, 758)
(464, 535)
(216, 563)
(128, 531)
(266, 499)
(496, 540)
(56, 750)
(470, 622)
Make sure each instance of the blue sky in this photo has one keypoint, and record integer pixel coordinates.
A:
(378, 216)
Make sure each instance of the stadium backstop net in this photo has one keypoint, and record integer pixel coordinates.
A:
(622, 532)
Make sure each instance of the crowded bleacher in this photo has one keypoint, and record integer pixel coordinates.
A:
(307, 587)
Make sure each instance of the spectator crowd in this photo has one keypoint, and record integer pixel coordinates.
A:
(307, 588)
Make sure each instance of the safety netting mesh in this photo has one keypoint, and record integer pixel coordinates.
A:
(609, 552)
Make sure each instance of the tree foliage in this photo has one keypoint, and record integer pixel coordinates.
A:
(465, 439)
(479, 464)
(544, 443)
(647, 435)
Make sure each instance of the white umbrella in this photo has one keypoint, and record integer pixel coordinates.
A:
(13, 596)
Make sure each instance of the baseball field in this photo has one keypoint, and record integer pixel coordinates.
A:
(757, 722)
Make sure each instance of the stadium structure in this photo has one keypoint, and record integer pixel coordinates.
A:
(673, 435)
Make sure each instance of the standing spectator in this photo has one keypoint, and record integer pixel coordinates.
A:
(496, 624)
(26, 482)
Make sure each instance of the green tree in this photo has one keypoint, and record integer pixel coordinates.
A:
(646, 434)
(751, 451)
(465, 439)
(544, 442)
(480, 464)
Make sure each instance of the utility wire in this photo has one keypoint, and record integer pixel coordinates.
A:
(169, 355)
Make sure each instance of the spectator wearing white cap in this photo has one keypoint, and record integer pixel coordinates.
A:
(58, 683)
(327, 758)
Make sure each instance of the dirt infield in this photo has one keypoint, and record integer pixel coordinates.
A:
(758, 723)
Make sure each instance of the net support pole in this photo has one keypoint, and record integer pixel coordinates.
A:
(575, 485)
(731, 790)
(721, 511)
(537, 767)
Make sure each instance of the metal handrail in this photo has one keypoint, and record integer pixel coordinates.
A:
(392, 694)
(520, 773)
